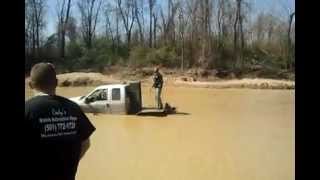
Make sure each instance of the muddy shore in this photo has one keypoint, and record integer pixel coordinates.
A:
(95, 79)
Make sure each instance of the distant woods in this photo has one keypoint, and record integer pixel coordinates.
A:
(210, 34)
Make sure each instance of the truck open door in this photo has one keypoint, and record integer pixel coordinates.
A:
(133, 93)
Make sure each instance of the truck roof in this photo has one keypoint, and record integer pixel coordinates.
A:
(111, 85)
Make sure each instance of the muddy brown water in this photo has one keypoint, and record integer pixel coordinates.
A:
(225, 134)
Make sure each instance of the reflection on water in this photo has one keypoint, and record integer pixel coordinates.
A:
(225, 135)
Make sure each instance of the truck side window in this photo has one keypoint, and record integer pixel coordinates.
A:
(99, 95)
(116, 94)
(95, 95)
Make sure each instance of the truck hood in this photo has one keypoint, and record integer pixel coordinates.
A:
(76, 99)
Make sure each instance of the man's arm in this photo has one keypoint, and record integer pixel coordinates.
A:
(84, 147)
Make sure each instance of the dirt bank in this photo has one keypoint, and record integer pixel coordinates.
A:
(83, 79)
(242, 83)
(94, 79)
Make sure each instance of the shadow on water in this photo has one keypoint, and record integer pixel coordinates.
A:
(163, 114)
(181, 113)
(166, 110)
(155, 112)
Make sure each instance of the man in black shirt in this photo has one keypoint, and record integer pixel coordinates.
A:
(157, 84)
(57, 128)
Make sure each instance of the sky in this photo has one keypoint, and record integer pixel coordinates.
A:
(273, 6)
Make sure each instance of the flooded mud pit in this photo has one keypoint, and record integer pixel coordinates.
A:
(223, 134)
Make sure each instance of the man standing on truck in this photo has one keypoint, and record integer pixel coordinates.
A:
(157, 84)
(57, 129)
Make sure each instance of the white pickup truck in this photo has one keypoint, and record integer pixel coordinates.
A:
(117, 99)
(113, 98)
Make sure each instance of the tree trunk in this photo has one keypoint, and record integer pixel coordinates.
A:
(235, 39)
(289, 41)
(63, 33)
(33, 41)
(129, 39)
(89, 16)
(139, 23)
(140, 31)
(238, 25)
(241, 35)
(182, 53)
(150, 22)
(154, 30)
(125, 17)
(219, 18)
(63, 44)
(37, 37)
(117, 32)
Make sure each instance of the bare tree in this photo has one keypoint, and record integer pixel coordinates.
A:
(63, 17)
(203, 33)
(168, 22)
(128, 16)
(183, 21)
(34, 24)
(71, 29)
(28, 27)
(151, 5)
(112, 18)
(289, 13)
(193, 28)
(289, 28)
(138, 9)
(204, 14)
(155, 18)
(290, 41)
(109, 30)
(117, 14)
(221, 21)
(259, 27)
(264, 28)
(89, 10)
(270, 27)
(239, 33)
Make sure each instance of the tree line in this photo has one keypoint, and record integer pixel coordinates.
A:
(219, 34)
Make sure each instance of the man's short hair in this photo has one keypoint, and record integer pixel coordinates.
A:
(43, 75)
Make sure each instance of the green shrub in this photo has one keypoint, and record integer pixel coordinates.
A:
(74, 50)
(166, 56)
(138, 56)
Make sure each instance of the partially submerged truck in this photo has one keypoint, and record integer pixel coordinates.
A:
(122, 98)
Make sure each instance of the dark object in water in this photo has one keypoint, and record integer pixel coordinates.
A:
(157, 112)
(169, 110)
(151, 112)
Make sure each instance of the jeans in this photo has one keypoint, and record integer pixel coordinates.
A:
(158, 98)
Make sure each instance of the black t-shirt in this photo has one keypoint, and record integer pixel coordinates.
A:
(56, 128)
(157, 80)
